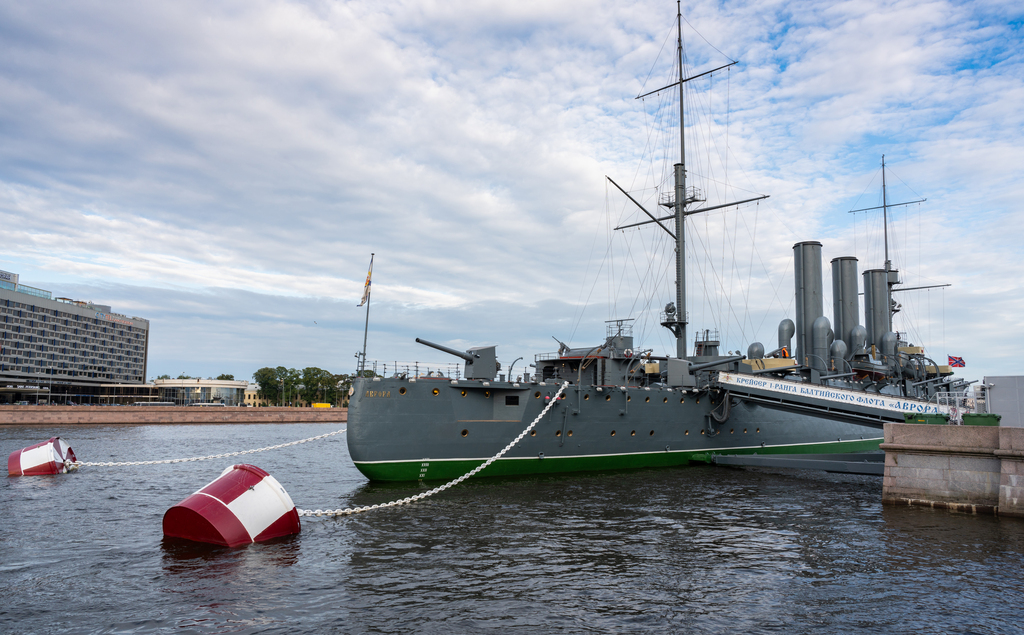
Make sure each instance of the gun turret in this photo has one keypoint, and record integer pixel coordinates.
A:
(481, 361)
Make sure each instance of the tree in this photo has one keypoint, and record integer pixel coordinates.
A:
(183, 376)
(290, 379)
(269, 387)
(226, 377)
(318, 385)
(164, 377)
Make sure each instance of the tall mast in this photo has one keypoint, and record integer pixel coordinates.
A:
(680, 200)
(885, 233)
(675, 318)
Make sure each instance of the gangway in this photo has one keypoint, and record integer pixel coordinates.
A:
(869, 463)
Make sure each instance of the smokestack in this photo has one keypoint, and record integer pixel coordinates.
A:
(845, 304)
(876, 306)
(807, 272)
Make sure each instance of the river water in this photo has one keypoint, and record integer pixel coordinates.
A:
(698, 549)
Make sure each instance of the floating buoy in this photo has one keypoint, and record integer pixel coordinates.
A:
(244, 505)
(47, 457)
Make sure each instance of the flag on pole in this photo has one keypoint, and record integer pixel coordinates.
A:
(956, 362)
(366, 288)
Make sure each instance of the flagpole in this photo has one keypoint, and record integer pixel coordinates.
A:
(366, 328)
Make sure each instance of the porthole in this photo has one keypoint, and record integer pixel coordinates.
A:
(686, 434)
(463, 393)
(569, 433)
(586, 397)
(647, 400)
(633, 433)
(613, 433)
(465, 433)
(558, 433)
(629, 398)
(607, 397)
(682, 400)
(732, 430)
(487, 394)
(744, 430)
(436, 392)
(401, 390)
(759, 431)
(533, 433)
(702, 432)
(536, 395)
(652, 433)
(698, 401)
(665, 400)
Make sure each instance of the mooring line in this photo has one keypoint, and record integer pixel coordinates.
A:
(74, 465)
(417, 497)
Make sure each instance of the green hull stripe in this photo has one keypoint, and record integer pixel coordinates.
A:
(445, 469)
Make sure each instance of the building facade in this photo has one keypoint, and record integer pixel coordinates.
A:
(194, 392)
(58, 350)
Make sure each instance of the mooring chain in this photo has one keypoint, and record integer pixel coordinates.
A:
(474, 471)
(74, 465)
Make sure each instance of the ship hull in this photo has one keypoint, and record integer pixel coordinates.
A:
(429, 429)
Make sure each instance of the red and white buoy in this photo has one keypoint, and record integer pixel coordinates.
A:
(47, 457)
(244, 505)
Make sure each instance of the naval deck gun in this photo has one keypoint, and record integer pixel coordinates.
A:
(481, 361)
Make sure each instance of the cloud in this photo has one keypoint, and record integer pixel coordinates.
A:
(234, 164)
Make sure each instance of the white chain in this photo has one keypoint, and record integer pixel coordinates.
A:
(74, 465)
(412, 499)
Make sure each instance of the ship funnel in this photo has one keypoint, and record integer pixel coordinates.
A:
(845, 305)
(807, 272)
(876, 309)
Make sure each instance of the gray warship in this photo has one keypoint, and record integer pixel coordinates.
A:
(826, 387)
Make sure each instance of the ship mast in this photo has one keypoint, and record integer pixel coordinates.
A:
(674, 317)
(888, 263)
(680, 201)
(892, 277)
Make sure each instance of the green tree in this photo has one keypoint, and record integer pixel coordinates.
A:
(184, 376)
(269, 387)
(318, 385)
(226, 377)
(164, 377)
(289, 379)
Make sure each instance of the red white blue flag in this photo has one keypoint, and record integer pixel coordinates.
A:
(956, 362)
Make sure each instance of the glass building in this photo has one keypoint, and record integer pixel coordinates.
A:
(205, 392)
(64, 349)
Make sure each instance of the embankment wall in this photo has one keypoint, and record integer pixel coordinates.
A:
(977, 469)
(131, 415)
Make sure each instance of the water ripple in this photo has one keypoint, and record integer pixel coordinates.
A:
(696, 549)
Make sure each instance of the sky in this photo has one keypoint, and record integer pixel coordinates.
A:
(225, 170)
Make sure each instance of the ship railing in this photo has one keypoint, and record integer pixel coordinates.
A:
(416, 369)
(959, 403)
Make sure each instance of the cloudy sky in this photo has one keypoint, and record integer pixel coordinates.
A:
(225, 169)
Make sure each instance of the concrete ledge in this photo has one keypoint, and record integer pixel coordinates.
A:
(974, 469)
(133, 415)
(936, 449)
(956, 507)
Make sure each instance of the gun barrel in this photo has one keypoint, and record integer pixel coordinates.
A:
(725, 360)
(451, 351)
